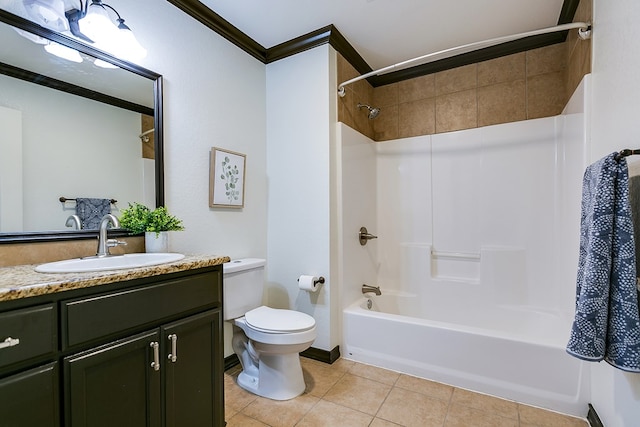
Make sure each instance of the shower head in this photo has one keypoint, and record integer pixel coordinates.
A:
(373, 112)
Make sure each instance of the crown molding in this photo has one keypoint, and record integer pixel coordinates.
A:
(332, 36)
(217, 23)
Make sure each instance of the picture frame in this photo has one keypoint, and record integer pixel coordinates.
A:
(226, 178)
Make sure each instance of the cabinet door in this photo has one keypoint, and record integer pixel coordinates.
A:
(115, 384)
(34, 331)
(194, 377)
(30, 398)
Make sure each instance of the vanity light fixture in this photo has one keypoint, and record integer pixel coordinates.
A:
(48, 13)
(93, 23)
(52, 47)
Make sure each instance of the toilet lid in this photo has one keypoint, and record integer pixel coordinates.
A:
(277, 320)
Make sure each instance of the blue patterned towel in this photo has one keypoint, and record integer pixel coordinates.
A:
(91, 211)
(607, 319)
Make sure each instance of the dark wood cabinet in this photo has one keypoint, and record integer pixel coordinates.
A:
(30, 398)
(148, 353)
(27, 335)
(194, 373)
(114, 385)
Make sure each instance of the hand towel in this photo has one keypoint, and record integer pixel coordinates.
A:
(91, 211)
(607, 320)
(634, 201)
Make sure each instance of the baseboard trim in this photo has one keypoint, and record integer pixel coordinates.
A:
(322, 355)
(311, 353)
(593, 418)
(231, 361)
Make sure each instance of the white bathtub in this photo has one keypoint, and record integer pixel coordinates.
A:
(513, 352)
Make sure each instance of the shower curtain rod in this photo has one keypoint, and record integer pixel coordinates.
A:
(584, 31)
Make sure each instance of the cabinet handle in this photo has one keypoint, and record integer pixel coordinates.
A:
(173, 356)
(156, 356)
(9, 342)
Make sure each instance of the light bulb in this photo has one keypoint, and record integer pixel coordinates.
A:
(103, 64)
(97, 25)
(128, 46)
(63, 52)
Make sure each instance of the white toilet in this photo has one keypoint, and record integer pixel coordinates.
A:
(266, 340)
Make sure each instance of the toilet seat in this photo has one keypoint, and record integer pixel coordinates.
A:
(278, 321)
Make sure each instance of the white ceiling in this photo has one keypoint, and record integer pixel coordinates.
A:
(385, 32)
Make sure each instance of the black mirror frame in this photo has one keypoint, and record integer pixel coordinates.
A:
(26, 25)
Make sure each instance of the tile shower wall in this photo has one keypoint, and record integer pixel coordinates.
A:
(522, 86)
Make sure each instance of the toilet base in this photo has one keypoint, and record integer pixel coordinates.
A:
(279, 377)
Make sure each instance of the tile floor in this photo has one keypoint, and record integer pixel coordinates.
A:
(347, 394)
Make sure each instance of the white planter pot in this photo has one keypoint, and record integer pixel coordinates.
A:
(156, 242)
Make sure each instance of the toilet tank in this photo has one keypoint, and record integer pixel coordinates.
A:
(243, 284)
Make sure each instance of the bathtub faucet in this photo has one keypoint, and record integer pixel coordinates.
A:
(371, 289)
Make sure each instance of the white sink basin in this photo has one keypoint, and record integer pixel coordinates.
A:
(114, 262)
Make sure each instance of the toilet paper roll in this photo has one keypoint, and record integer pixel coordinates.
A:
(308, 283)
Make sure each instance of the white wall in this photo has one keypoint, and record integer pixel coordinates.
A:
(616, 91)
(214, 95)
(300, 111)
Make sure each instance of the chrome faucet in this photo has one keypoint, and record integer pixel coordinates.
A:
(371, 289)
(74, 221)
(103, 243)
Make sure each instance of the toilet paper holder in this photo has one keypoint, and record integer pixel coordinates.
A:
(320, 280)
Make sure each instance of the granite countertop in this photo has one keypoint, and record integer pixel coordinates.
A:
(23, 281)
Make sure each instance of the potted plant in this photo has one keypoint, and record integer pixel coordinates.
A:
(155, 224)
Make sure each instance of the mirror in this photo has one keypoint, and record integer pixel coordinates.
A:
(72, 130)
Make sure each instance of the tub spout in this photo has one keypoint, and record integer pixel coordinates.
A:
(371, 289)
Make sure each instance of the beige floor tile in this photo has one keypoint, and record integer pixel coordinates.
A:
(330, 414)
(426, 387)
(285, 413)
(234, 370)
(358, 393)
(229, 412)
(374, 373)
(464, 416)
(536, 417)
(379, 422)
(484, 402)
(235, 397)
(347, 393)
(409, 409)
(342, 364)
(319, 378)
(241, 420)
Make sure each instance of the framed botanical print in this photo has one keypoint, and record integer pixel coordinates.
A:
(226, 178)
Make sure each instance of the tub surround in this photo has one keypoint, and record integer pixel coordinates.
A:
(23, 281)
(438, 204)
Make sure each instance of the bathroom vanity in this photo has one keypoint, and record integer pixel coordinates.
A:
(136, 347)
